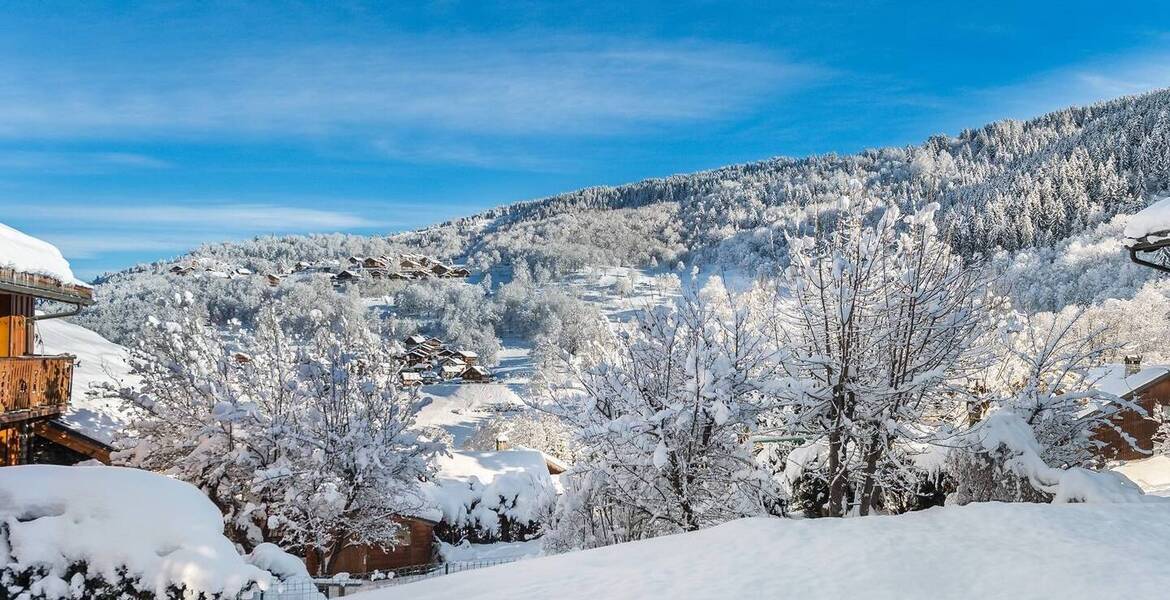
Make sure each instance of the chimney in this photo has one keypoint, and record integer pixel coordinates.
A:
(501, 442)
(1133, 364)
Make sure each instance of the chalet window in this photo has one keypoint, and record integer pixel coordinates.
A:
(404, 538)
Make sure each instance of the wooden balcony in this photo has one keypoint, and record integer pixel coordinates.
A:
(32, 387)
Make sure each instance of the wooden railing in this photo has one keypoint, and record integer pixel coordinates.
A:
(34, 386)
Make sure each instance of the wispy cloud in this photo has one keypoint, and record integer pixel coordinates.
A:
(553, 85)
(103, 228)
(232, 217)
(76, 162)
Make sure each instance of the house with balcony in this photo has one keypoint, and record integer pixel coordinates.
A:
(36, 284)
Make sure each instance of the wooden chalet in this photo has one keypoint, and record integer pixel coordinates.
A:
(346, 276)
(410, 378)
(467, 357)
(414, 340)
(1148, 388)
(374, 263)
(417, 546)
(35, 389)
(476, 374)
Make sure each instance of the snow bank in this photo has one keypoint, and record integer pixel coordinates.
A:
(468, 552)
(1071, 552)
(99, 361)
(476, 488)
(164, 532)
(1151, 224)
(1151, 474)
(27, 254)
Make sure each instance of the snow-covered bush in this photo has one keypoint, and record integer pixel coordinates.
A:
(663, 423)
(294, 427)
(492, 496)
(1001, 460)
(106, 533)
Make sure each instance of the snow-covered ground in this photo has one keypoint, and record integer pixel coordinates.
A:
(985, 551)
(499, 551)
(1152, 474)
(99, 361)
(460, 408)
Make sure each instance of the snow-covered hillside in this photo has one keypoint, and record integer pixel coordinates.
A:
(99, 361)
(993, 551)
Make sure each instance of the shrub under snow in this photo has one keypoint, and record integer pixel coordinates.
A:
(101, 532)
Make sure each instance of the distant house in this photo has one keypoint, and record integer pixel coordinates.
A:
(414, 340)
(434, 343)
(374, 263)
(409, 264)
(468, 357)
(347, 276)
(411, 378)
(440, 269)
(476, 374)
(273, 280)
(1149, 388)
(451, 371)
(458, 271)
(302, 266)
(243, 271)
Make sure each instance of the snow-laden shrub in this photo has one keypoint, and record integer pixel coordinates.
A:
(1001, 460)
(493, 496)
(108, 532)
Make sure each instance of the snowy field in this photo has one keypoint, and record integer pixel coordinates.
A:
(980, 551)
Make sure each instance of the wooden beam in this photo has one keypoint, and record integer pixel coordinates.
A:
(76, 441)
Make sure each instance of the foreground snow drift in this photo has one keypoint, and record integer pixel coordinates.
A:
(976, 551)
(163, 532)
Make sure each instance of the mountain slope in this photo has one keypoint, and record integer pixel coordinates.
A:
(1009, 184)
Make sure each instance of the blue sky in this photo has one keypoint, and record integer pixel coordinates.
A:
(130, 132)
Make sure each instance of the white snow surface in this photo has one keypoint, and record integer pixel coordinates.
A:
(1152, 221)
(978, 551)
(22, 252)
(91, 411)
(468, 552)
(460, 408)
(1151, 474)
(163, 531)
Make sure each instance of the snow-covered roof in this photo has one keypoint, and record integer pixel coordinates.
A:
(474, 488)
(467, 354)
(1112, 379)
(29, 262)
(92, 411)
(162, 531)
(1149, 226)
